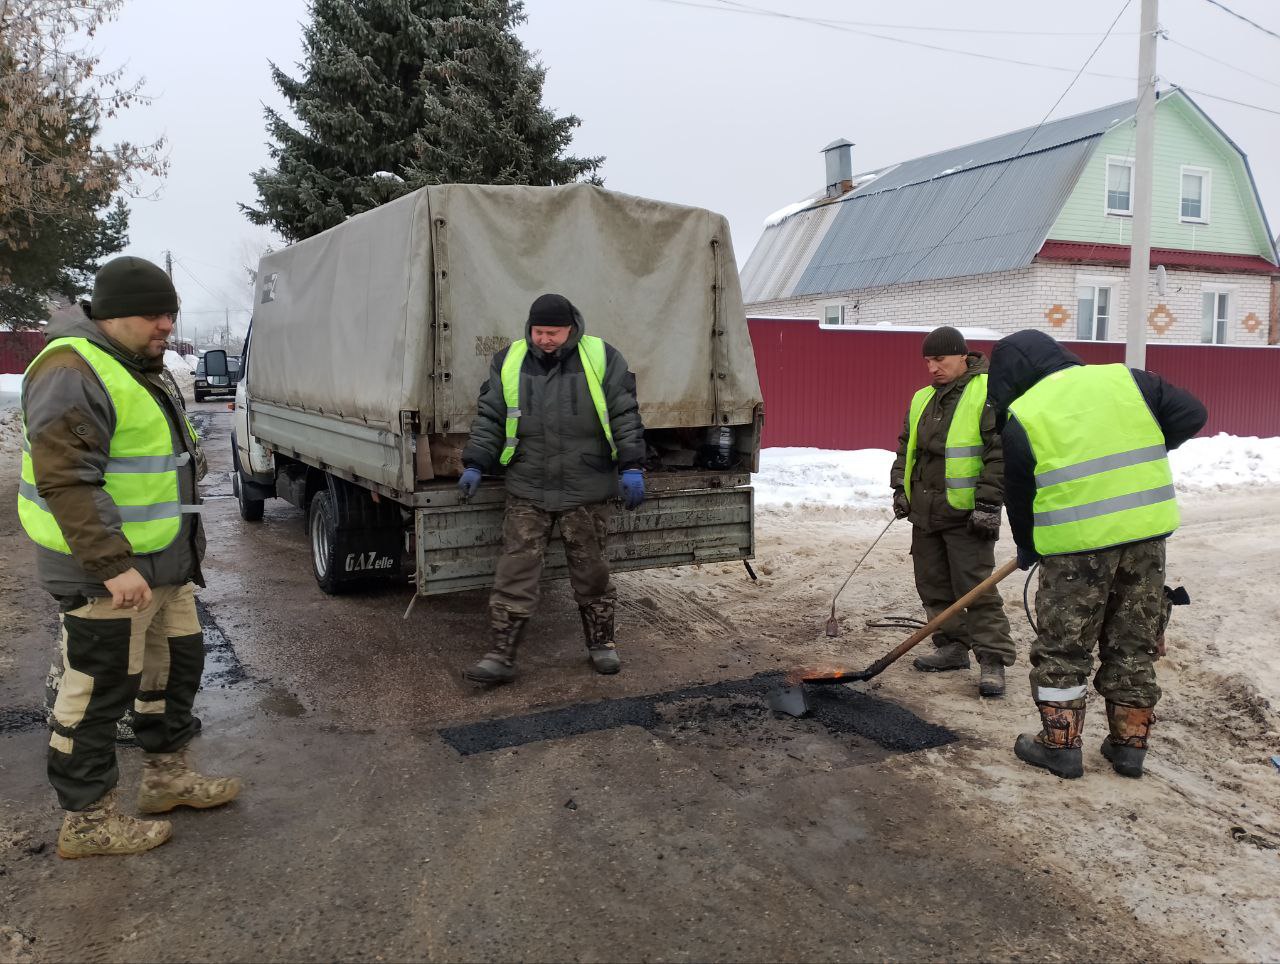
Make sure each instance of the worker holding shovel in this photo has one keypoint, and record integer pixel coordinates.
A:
(1091, 498)
(948, 480)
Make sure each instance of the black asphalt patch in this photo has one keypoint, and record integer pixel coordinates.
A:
(19, 721)
(222, 667)
(839, 709)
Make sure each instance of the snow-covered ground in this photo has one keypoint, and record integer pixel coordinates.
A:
(860, 479)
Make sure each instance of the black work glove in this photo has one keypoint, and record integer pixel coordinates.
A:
(1027, 558)
(984, 521)
(901, 507)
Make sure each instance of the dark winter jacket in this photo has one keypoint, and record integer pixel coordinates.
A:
(70, 421)
(1017, 363)
(563, 458)
(930, 509)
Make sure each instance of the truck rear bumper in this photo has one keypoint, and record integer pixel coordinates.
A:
(458, 546)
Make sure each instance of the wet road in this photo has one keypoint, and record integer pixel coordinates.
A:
(655, 821)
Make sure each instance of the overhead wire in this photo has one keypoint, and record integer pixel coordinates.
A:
(1240, 16)
(1218, 60)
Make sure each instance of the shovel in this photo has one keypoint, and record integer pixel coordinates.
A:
(791, 699)
(833, 624)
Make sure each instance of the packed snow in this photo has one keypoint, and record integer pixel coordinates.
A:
(10, 383)
(780, 215)
(860, 479)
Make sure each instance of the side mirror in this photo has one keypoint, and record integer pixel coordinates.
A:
(215, 363)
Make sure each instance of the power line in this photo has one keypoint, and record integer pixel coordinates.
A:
(1230, 100)
(843, 28)
(1240, 16)
(1217, 60)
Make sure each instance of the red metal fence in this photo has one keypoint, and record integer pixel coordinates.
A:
(17, 348)
(849, 389)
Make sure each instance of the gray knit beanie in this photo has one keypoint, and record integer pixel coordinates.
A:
(944, 341)
(131, 286)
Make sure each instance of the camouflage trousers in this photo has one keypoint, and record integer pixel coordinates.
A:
(1114, 599)
(948, 563)
(526, 533)
(151, 659)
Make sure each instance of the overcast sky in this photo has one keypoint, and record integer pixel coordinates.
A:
(710, 107)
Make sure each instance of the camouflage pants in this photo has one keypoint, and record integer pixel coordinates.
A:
(151, 659)
(948, 563)
(526, 532)
(1114, 599)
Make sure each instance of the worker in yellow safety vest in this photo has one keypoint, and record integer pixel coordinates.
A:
(1090, 497)
(558, 418)
(948, 480)
(108, 495)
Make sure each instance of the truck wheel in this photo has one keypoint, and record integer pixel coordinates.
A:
(250, 509)
(322, 530)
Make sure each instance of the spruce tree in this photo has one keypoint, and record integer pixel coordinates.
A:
(396, 94)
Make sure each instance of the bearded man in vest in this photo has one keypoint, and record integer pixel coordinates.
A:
(108, 494)
(558, 417)
(948, 480)
(1090, 496)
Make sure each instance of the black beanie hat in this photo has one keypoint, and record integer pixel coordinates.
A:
(131, 286)
(551, 311)
(944, 341)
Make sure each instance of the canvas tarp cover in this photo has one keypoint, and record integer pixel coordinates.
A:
(401, 308)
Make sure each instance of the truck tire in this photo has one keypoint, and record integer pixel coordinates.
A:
(322, 534)
(250, 509)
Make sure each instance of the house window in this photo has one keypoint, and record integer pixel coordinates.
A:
(1194, 203)
(1093, 311)
(831, 316)
(1119, 185)
(1214, 312)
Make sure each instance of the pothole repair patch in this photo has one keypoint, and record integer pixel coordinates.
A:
(838, 709)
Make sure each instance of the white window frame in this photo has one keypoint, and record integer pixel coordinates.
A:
(1218, 291)
(1095, 282)
(1114, 160)
(844, 315)
(1206, 185)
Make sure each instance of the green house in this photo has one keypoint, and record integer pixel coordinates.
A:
(1032, 229)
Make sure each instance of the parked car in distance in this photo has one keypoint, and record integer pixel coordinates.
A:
(207, 385)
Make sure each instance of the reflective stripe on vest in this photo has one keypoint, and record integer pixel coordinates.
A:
(963, 450)
(141, 474)
(1102, 473)
(591, 352)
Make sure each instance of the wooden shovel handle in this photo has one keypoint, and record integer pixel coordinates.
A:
(928, 628)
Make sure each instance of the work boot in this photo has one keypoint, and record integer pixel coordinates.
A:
(991, 680)
(100, 829)
(597, 630)
(1126, 746)
(168, 781)
(1056, 747)
(499, 664)
(946, 657)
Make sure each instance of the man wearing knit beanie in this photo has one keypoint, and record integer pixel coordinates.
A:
(948, 479)
(109, 496)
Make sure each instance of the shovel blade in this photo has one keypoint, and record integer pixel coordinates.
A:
(833, 627)
(789, 700)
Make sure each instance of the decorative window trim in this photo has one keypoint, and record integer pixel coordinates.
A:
(1117, 160)
(1206, 191)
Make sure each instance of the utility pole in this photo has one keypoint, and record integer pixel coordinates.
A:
(168, 269)
(1135, 355)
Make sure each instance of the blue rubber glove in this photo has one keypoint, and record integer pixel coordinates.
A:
(469, 482)
(632, 486)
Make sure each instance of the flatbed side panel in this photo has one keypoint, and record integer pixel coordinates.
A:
(356, 449)
(458, 546)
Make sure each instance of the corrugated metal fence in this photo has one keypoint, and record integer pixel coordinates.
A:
(17, 349)
(849, 389)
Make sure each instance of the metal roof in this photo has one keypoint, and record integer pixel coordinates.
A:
(975, 209)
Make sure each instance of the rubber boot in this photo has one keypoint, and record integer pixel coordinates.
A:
(1126, 746)
(946, 657)
(100, 829)
(597, 630)
(498, 666)
(1056, 747)
(991, 681)
(168, 782)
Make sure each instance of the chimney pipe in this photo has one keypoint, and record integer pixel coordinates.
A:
(839, 158)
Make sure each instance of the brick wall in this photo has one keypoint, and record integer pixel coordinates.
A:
(1043, 296)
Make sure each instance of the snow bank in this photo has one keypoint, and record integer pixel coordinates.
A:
(1222, 461)
(175, 362)
(860, 479)
(11, 383)
(792, 476)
